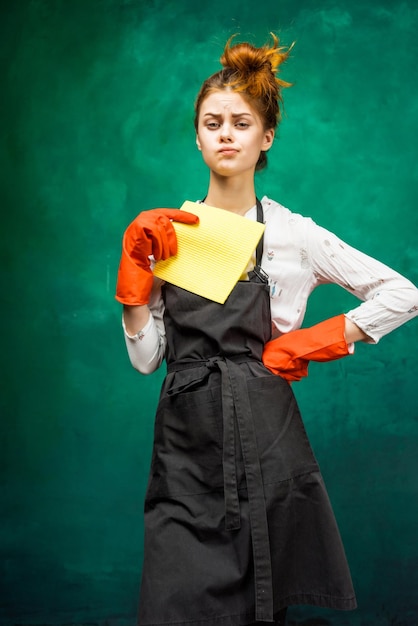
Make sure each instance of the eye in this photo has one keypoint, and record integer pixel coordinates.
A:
(242, 125)
(212, 125)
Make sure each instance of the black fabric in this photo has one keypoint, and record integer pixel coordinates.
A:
(237, 520)
(279, 619)
(260, 218)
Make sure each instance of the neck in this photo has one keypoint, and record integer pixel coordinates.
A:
(232, 194)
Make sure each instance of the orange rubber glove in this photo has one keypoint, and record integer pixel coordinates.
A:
(151, 233)
(288, 356)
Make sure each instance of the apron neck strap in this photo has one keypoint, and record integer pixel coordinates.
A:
(260, 218)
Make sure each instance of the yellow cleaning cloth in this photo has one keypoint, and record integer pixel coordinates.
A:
(213, 254)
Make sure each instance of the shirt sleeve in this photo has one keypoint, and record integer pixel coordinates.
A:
(389, 299)
(146, 348)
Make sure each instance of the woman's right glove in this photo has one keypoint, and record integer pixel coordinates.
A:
(150, 234)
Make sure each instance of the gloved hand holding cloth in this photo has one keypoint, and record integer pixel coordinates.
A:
(289, 355)
(150, 234)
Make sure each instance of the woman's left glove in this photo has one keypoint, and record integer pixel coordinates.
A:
(150, 234)
(288, 356)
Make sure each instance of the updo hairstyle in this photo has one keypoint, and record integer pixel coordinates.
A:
(252, 72)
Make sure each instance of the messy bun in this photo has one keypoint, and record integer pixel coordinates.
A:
(253, 72)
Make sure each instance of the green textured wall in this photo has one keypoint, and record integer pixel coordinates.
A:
(96, 119)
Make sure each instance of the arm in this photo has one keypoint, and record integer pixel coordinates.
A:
(135, 318)
(145, 332)
(389, 301)
(353, 333)
(151, 234)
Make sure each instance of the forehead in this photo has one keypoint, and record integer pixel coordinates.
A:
(226, 100)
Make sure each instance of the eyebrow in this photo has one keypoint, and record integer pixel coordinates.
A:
(233, 114)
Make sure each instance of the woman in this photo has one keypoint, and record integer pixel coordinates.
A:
(238, 525)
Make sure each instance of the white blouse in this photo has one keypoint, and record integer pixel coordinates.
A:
(298, 256)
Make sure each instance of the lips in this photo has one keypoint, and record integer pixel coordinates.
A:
(228, 151)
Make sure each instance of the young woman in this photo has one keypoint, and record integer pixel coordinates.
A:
(238, 525)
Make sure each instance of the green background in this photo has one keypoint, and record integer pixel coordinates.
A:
(96, 125)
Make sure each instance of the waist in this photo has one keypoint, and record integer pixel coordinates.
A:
(209, 362)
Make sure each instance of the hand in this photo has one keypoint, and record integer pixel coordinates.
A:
(288, 356)
(151, 233)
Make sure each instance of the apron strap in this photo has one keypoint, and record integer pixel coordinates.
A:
(259, 249)
(257, 274)
(255, 488)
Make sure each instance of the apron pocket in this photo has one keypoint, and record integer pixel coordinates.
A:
(187, 455)
(282, 442)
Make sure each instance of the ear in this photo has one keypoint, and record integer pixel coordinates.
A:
(268, 139)
(198, 142)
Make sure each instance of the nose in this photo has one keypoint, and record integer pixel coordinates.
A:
(225, 134)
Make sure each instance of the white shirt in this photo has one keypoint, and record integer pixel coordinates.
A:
(298, 256)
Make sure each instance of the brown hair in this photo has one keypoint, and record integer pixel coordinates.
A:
(252, 72)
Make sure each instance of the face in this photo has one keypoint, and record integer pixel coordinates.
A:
(231, 134)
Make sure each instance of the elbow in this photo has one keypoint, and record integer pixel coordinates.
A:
(146, 367)
(402, 301)
(146, 353)
(408, 303)
(413, 302)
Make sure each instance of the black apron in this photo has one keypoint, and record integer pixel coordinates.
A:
(238, 523)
